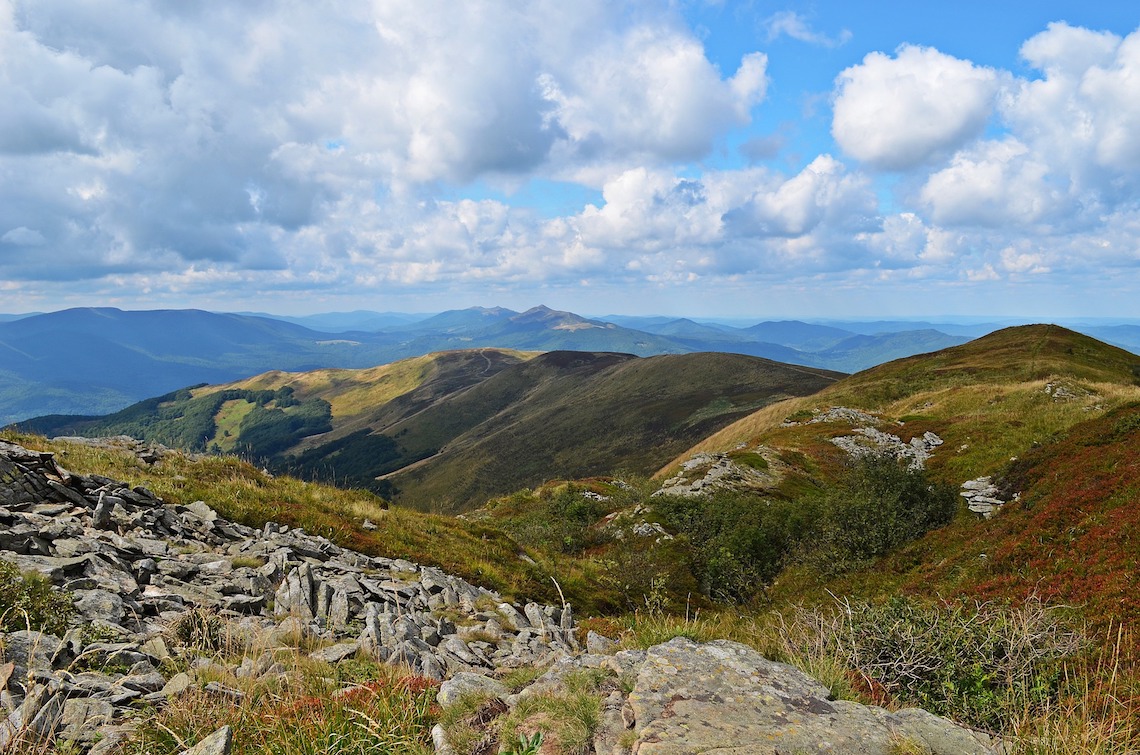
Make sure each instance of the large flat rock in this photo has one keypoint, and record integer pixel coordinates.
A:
(725, 698)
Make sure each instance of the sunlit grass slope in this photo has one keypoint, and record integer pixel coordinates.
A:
(354, 394)
(989, 399)
(567, 415)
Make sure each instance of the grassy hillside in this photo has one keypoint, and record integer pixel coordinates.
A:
(448, 431)
(266, 415)
(1053, 416)
(1071, 539)
(573, 414)
(989, 399)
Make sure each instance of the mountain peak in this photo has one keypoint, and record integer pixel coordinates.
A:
(544, 313)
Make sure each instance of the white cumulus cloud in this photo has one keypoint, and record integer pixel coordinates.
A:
(993, 183)
(895, 113)
(794, 25)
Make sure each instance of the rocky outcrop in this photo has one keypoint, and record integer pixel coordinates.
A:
(723, 697)
(983, 496)
(144, 573)
(137, 566)
(869, 440)
(705, 473)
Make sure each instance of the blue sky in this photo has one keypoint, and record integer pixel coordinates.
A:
(759, 159)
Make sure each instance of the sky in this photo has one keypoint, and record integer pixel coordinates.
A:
(736, 159)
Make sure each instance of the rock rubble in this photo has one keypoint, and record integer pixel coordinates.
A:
(982, 496)
(869, 440)
(137, 565)
(705, 473)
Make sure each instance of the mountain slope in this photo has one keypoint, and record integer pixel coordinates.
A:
(798, 335)
(96, 360)
(90, 360)
(570, 414)
(1068, 540)
(989, 399)
(276, 412)
(539, 328)
(447, 431)
(860, 352)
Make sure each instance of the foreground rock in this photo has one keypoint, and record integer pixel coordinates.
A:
(723, 697)
(138, 567)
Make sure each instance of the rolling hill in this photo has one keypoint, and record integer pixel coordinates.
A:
(448, 430)
(573, 414)
(1048, 414)
(89, 361)
(989, 399)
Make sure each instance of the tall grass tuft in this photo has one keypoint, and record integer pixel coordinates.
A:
(307, 713)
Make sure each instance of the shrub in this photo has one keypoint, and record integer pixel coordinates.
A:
(879, 504)
(738, 542)
(200, 629)
(982, 664)
(30, 601)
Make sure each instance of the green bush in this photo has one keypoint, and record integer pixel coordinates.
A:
(30, 601)
(878, 505)
(738, 541)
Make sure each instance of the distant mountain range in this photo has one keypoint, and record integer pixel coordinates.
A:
(98, 360)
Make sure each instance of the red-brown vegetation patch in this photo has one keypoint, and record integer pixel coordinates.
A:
(1072, 539)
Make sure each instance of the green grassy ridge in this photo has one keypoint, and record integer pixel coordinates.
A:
(380, 395)
(1011, 355)
(448, 431)
(568, 415)
(259, 422)
(1071, 539)
(271, 416)
(988, 399)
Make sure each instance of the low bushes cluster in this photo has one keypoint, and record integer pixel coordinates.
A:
(740, 542)
(982, 664)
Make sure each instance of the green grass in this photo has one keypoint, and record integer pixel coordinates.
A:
(562, 417)
(446, 432)
(228, 423)
(564, 721)
(29, 601)
(750, 459)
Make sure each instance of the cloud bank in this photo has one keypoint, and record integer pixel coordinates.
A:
(247, 150)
